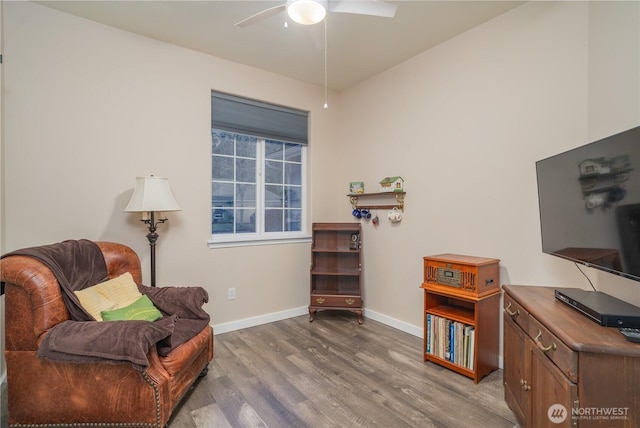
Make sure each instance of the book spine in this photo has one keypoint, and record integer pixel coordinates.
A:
(452, 342)
(429, 335)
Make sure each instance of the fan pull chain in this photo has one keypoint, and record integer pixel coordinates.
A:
(326, 105)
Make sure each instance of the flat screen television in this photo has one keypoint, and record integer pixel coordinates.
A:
(589, 200)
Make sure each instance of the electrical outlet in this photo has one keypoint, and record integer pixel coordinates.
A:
(232, 294)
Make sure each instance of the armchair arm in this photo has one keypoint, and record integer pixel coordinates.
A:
(30, 284)
(114, 341)
(185, 302)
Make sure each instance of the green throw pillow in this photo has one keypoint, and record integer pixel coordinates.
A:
(142, 309)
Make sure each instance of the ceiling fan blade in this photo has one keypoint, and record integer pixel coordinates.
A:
(261, 15)
(363, 7)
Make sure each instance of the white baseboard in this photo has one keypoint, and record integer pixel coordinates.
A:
(259, 320)
(290, 313)
(395, 323)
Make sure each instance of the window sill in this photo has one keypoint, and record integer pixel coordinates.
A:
(250, 242)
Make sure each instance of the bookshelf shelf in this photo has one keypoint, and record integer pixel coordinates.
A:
(453, 313)
(462, 313)
(451, 366)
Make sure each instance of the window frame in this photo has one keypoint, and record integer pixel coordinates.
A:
(260, 237)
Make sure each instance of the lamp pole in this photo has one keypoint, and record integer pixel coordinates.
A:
(152, 236)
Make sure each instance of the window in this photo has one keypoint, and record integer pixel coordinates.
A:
(258, 177)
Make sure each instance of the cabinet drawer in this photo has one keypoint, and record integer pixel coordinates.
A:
(561, 355)
(516, 312)
(336, 301)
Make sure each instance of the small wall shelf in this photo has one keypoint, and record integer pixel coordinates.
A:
(355, 200)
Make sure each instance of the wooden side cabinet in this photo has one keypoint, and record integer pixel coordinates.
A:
(563, 370)
(462, 313)
(336, 268)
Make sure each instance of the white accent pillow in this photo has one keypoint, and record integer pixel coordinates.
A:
(113, 294)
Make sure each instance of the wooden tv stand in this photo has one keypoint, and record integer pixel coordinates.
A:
(556, 358)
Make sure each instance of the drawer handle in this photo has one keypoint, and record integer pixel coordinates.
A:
(543, 348)
(319, 300)
(510, 312)
(349, 301)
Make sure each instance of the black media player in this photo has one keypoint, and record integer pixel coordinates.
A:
(600, 307)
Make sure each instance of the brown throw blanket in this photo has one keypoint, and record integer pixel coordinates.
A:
(106, 342)
(185, 304)
(76, 265)
(80, 264)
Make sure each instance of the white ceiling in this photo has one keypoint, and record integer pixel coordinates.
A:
(358, 46)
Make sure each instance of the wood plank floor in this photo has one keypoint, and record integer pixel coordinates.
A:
(333, 372)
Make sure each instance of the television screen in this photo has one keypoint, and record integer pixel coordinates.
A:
(589, 201)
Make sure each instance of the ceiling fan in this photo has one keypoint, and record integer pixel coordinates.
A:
(309, 12)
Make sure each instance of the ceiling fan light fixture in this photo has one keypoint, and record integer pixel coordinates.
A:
(307, 12)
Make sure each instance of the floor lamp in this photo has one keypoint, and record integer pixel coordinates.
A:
(152, 197)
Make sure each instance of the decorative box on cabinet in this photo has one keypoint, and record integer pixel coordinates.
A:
(563, 370)
(336, 268)
(462, 313)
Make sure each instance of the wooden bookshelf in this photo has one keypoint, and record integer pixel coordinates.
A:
(336, 268)
(462, 313)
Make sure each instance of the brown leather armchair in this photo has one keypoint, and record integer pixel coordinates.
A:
(46, 393)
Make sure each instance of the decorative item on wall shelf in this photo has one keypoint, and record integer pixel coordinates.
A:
(361, 213)
(395, 215)
(356, 187)
(392, 184)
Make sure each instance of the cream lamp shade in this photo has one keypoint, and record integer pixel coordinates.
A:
(307, 12)
(152, 194)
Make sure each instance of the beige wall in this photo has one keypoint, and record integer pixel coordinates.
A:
(2, 370)
(464, 123)
(89, 107)
(614, 93)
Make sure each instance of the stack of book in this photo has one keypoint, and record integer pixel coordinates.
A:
(450, 340)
